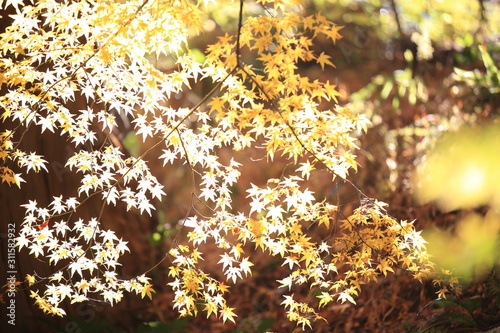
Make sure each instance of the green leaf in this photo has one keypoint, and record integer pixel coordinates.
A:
(387, 88)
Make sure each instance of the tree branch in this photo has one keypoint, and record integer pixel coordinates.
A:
(240, 24)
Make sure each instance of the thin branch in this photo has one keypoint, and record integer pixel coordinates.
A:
(240, 24)
(294, 133)
(307, 150)
(187, 158)
(396, 17)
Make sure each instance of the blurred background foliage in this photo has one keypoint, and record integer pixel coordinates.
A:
(462, 173)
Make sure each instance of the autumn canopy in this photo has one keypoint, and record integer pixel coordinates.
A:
(92, 74)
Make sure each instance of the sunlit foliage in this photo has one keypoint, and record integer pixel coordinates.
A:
(106, 53)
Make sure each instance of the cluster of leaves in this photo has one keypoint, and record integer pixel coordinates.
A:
(442, 99)
(56, 52)
(362, 246)
(58, 241)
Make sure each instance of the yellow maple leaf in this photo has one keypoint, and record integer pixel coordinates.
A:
(30, 279)
(210, 307)
(257, 228)
(217, 104)
(330, 91)
(223, 288)
(384, 267)
(147, 290)
(227, 313)
(323, 59)
(325, 298)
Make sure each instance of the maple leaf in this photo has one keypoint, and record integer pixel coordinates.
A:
(332, 93)
(36, 250)
(309, 257)
(291, 261)
(227, 314)
(233, 273)
(22, 241)
(344, 296)
(333, 32)
(210, 307)
(217, 104)
(108, 236)
(30, 279)
(286, 282)
(289, 302)
(237, 251)
(306, 169)
(325, 298)
(226, 261)
(13, 3)
(78, 298)
(147, 290)
(245, 265)
(257, 228)
(223, 288)
(47, 124)
(322, 59)
(384, 267)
